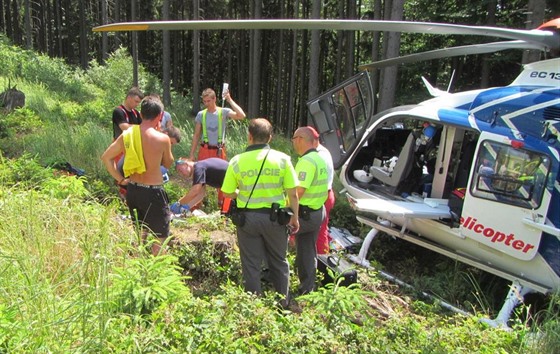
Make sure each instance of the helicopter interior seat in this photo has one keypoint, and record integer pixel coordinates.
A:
(402, 166)
(466, 160)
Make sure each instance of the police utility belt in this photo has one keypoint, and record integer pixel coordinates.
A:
(305, 212)
(276, 214)
(212, 147)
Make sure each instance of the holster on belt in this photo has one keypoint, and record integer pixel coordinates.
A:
(281, 215)
(305, 212)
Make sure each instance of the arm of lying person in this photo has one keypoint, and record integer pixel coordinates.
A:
(194, 195)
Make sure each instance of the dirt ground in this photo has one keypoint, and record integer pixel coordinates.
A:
(192, 229)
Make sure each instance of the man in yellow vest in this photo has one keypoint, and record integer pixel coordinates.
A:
(210, 126)
(264, 178)
(210, 129)
(312, 193)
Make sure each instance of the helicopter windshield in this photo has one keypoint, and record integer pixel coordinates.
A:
(513, 175)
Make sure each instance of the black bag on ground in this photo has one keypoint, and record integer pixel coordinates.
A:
(339, 266)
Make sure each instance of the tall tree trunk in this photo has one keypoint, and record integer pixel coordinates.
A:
(83, 35)
(293, 75)
(17, 35)
(68, 42)
(196, 60)
(134, 45)
(278, 107)
(535, 17)
(178, 48)
(339, 44)
(8, 17)
(2, 18)
(39, 11)
(104, 38)
(315, 52)
(350, 42)
(117, 18)
(57, 28)
(391, 43)
(301, 91)
(255, 65)
(28, 27)
(377, 15)
(166, 58)
(50, 38)
(490, 21)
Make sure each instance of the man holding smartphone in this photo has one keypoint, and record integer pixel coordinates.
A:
(210, 126)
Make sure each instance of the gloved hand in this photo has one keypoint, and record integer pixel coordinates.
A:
(164, 174)
(177, 208)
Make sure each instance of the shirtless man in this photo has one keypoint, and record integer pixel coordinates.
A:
(147, 201)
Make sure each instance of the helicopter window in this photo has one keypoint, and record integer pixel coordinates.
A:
(506, 174)
(349, 104)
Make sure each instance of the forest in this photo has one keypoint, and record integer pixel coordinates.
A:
(273, 73)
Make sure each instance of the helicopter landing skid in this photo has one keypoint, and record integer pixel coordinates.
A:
(514, 297)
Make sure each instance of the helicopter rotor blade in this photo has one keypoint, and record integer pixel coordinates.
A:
(547, 38)
(452, 52)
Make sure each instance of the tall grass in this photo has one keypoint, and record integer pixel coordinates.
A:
(54, 262)
(545, 336)
(60, 258)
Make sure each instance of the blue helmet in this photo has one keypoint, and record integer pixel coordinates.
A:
(429, 131)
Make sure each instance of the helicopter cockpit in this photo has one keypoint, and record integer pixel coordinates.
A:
(510, 174)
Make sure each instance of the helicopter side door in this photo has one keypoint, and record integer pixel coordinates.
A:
(342, 114)
(506, 197)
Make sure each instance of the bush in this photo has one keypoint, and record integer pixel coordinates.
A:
(65, 187)
(143, 284)
(15, 124)
(24, 171)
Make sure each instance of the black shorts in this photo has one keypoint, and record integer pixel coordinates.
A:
(149, 206)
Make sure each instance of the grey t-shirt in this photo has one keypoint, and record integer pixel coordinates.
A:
(165, 120)
(212, 124)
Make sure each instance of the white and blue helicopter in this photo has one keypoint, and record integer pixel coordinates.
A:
(471, 175)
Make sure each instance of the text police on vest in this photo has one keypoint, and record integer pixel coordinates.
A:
(265, 172)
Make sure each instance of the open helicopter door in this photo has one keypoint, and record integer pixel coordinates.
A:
(342, 114)
(506, 200)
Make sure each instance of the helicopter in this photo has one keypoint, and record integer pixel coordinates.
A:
(471, 175)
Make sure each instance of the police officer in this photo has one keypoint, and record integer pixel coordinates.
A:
(264, 177)
(312, 192)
